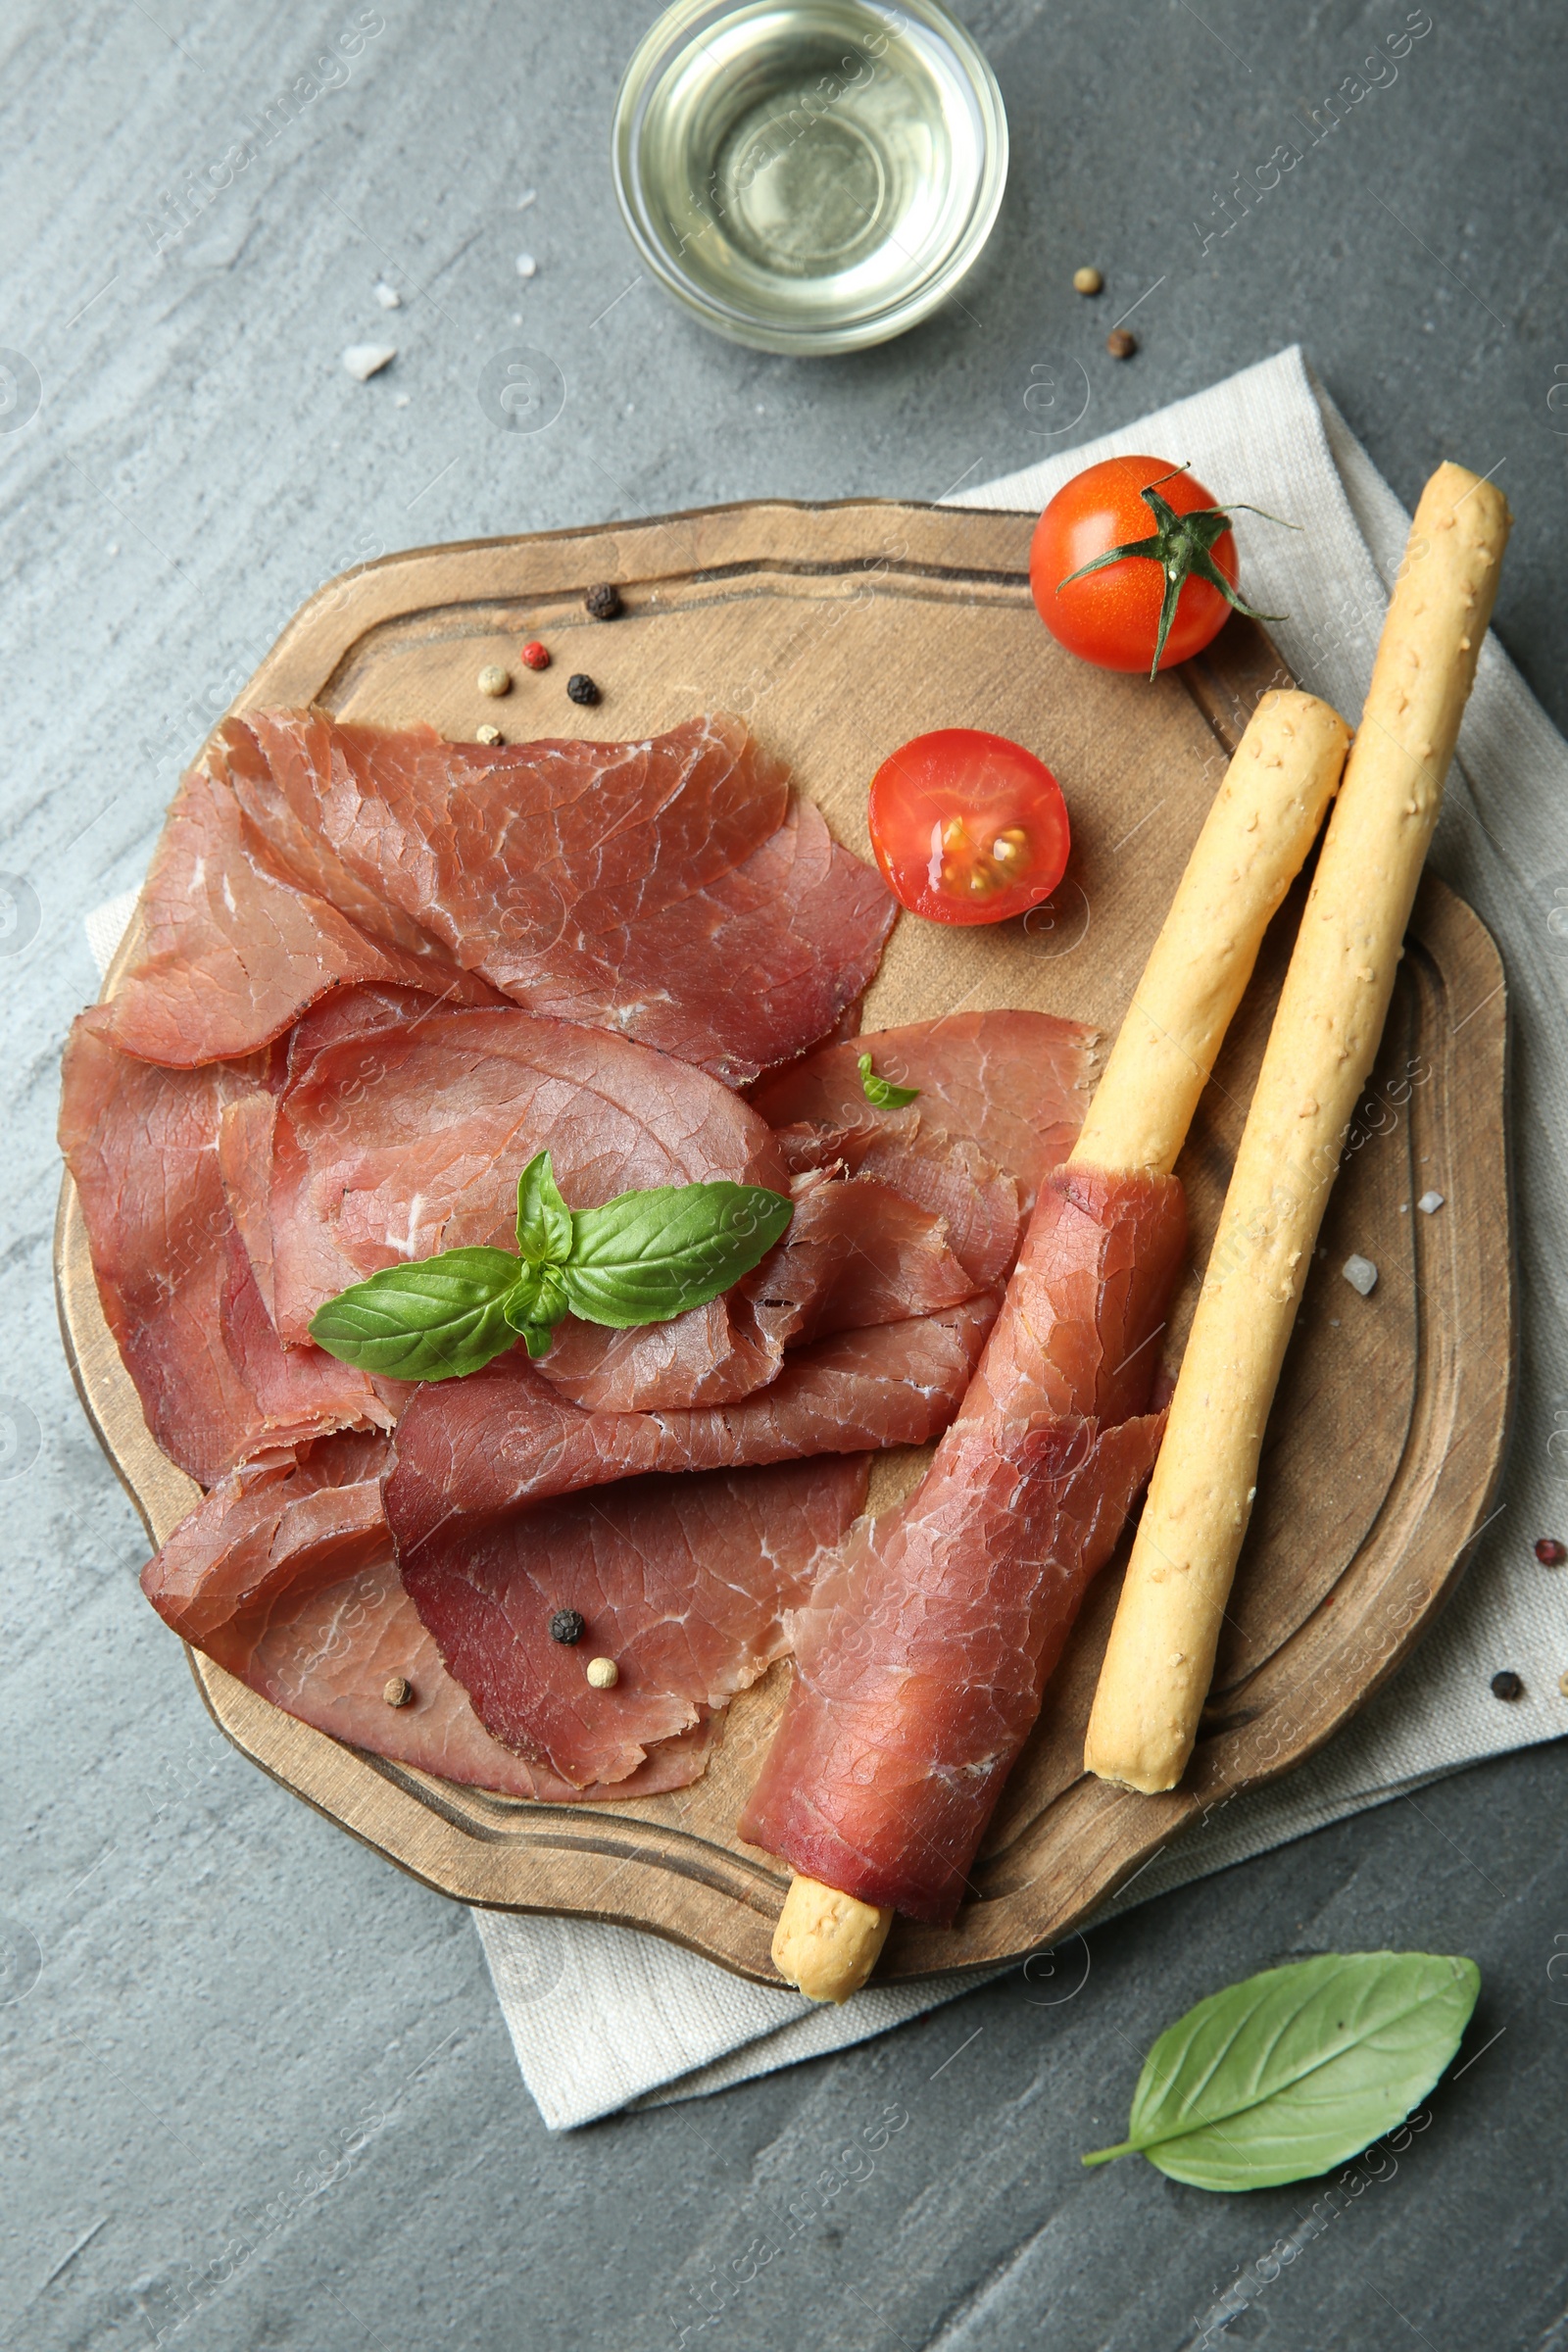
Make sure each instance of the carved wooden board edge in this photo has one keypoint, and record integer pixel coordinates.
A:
(596, 1862)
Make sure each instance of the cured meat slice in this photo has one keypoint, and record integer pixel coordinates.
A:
(473, 1451)
(284, 1575)
(856, 1253)
(924, 1655)
(245, 1126)
(394, 1142)
(234, 949)
(947, 1176)
(268, 1526)
(396, 1138)
(326, 1656)
(749, 971)
(533, 857)
(673, 889)
(683, 1581)
(176, 1287)
(1015, 1084)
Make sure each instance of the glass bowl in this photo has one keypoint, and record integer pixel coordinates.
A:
(809, 176)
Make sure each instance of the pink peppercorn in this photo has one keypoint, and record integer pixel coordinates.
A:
(1550, 1554)
(536, 655)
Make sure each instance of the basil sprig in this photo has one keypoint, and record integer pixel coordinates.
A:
(643, 1258)
(882, 1091)
(1289, 2073)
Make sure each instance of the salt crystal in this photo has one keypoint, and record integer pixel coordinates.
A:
(526, 198)
(526, 265)
(388, 296)
(1430, 1203)
(365, 359)
(399, 400)
(1361, 1275)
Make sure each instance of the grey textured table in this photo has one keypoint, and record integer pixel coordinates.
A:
(257, 2089)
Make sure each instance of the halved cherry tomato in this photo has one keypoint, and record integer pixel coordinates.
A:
(1112, 617)
(967, 827)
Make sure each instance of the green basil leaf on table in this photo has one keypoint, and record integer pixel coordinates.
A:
(881, 1091)
(544, 1221)
(645, 1256)
(434, 1320)
(1292, 2072)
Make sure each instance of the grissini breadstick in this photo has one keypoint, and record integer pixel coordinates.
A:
(1255, 840)
(1326, 1033)
(1264, 819)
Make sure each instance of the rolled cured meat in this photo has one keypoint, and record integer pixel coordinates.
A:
(922, 1656)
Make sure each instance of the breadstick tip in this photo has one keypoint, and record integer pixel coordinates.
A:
(828, 1944)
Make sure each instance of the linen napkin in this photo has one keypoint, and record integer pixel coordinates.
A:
(603, 2018)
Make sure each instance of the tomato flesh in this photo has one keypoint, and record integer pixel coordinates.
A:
(968, 827)
(1112, 617)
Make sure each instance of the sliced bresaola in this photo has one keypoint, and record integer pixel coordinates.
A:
(473, 1451)
(401, 1132)
(235, 949)
(854, 1253)
(284, 1575)
(534, 857)
(395, 1139)
(945, 1177)
(683, 1581)
(1014, 1084)
(176, 1286)
(922, 1657)
(675, 890)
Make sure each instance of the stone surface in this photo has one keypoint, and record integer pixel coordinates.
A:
(258, 2091)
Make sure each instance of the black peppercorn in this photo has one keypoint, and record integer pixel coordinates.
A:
(568, 1626)
(580, 688)
(604, 601)
(1507, 1684)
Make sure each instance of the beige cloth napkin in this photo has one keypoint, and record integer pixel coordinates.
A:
(601, 2017)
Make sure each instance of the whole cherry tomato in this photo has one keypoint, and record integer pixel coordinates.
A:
(967, 827)
(1169, 582)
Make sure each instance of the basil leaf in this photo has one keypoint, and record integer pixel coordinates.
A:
(646, 1257)
(882, 1091)
(1292, 2072)
(535, 1305)
(544, 1221)
(435, 1320)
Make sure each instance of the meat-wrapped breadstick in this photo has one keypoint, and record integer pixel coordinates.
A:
(1326, 1033)
(922, 1656)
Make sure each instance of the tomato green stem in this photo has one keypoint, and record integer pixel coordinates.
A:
(1180, 545)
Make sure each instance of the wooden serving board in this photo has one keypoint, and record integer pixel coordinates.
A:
(838, 632)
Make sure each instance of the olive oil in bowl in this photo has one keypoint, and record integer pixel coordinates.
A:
(809, 175)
